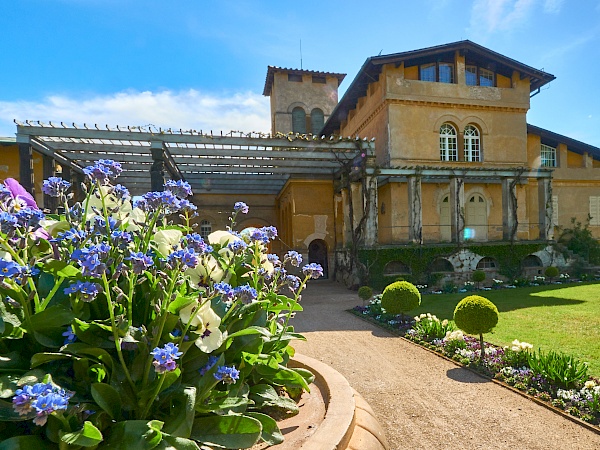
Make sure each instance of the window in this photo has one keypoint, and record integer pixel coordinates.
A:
(448, 146)
(487, 263)
(548, 155)
(532, 261)
(441, 265)
(472, 144)
(595, 210)
(442, 72)
(428, 72)
(298, 120)
(294, 77)
(486, 77)
(475, 76)
(319, 79)
(205, 229)
(317, 120)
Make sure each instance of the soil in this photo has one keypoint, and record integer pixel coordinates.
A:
(421, 400)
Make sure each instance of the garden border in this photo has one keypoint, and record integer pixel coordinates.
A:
(591, 427)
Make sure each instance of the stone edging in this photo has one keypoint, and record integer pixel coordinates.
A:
(349, 422)
(546, 405)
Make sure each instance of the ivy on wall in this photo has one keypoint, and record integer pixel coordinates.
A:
(420, 258)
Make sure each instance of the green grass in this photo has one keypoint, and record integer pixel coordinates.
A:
(563, 318)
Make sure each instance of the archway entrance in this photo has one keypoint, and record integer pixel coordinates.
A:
(476, 221)
(317, 253)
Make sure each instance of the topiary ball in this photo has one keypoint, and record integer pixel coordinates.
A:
(475, 315)
(551, 271)
(478, 276)
(400, 297)
(365, 292)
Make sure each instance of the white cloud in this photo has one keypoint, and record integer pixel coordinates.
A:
(490, 16)
(191, 109)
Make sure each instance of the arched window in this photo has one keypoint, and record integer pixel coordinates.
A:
(298, 120)
(472, 144)
(487, 263)
(317, 120)
(441, 265)
(448, 146)
(532, 261)
(205, 229)
(395, 267)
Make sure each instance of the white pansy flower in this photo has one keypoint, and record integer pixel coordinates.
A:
(445, 322)
(208, 267)
(167, 241)
(125, 212)
(207, 324)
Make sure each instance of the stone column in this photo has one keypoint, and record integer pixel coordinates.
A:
(370, 207)
(415, 210)
(49, 170)
(357, 203)
(157, 171)
(26, 164)
(545, 207)
(457, 209)
(509, 209)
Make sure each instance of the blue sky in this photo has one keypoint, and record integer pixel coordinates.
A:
(202, 64)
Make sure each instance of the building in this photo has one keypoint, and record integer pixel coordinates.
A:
(436, 151)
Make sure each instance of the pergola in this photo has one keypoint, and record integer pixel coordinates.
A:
(253, 163)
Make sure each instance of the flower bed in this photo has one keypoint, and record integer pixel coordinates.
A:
(558, 380)
(120, 327)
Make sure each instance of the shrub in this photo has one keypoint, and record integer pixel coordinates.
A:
(400, 297)
(429, 327)
(551, 272)
(478, 276)
(365, 292)
(476, 315)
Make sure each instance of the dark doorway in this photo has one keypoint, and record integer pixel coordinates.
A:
(317, 253)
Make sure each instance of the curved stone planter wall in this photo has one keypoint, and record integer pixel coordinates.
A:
(349, 422)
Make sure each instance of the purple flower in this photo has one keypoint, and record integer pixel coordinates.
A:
(187, 207)
(120, 238)
(74, 236)
(313, 270)
(273, 259)
(121, 191)
(228, 375)
(18, 193)
(245, 293)
(55, 186)
(237, 246)
(294, 258)
(41, 398)
(270, 232)
(196, 242)
(69, 335)
(8, 222)
(212, 360)
(140, 262)
(164, 358)
(226, 291)
(186, 257)
(103, 171)
(179, 188)
(240, 207)
(86, 290)
(9, 269)
(92, 259)
(292, 281)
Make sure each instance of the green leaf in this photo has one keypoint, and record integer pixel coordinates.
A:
(282, 376)
(13, 360)
(265, 397)
(230, 431)
(134, 435)
(173, 442)
(25, 443)
(181, 302)
(250, 330)
(8, 385)
(181, 418)
(56, 316)
(271, 433)
(107, 398)
(8, 413)
(94, 333)
(99, 354)
(88, 436)
(61, 269)
(41, 358)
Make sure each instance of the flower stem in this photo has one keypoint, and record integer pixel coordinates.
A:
(153, 396)
(46, 301)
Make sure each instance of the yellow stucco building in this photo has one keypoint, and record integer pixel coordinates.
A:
(437, 149)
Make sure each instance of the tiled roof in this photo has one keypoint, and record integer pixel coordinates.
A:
(554, 139)
(272, 70)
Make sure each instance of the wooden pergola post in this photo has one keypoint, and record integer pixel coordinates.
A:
(26, 163)
(49, 170)
(157, 171)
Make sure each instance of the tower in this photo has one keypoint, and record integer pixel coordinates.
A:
(301, 100)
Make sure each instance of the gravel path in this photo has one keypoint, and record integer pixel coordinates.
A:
(422, 400)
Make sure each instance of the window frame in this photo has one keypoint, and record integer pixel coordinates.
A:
(300, 120)
(472, 144)
(545, 160)
(437, 77)
(479, 73)
(202, 229)
(447, 153)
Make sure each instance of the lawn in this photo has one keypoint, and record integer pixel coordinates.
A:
(565, 318)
